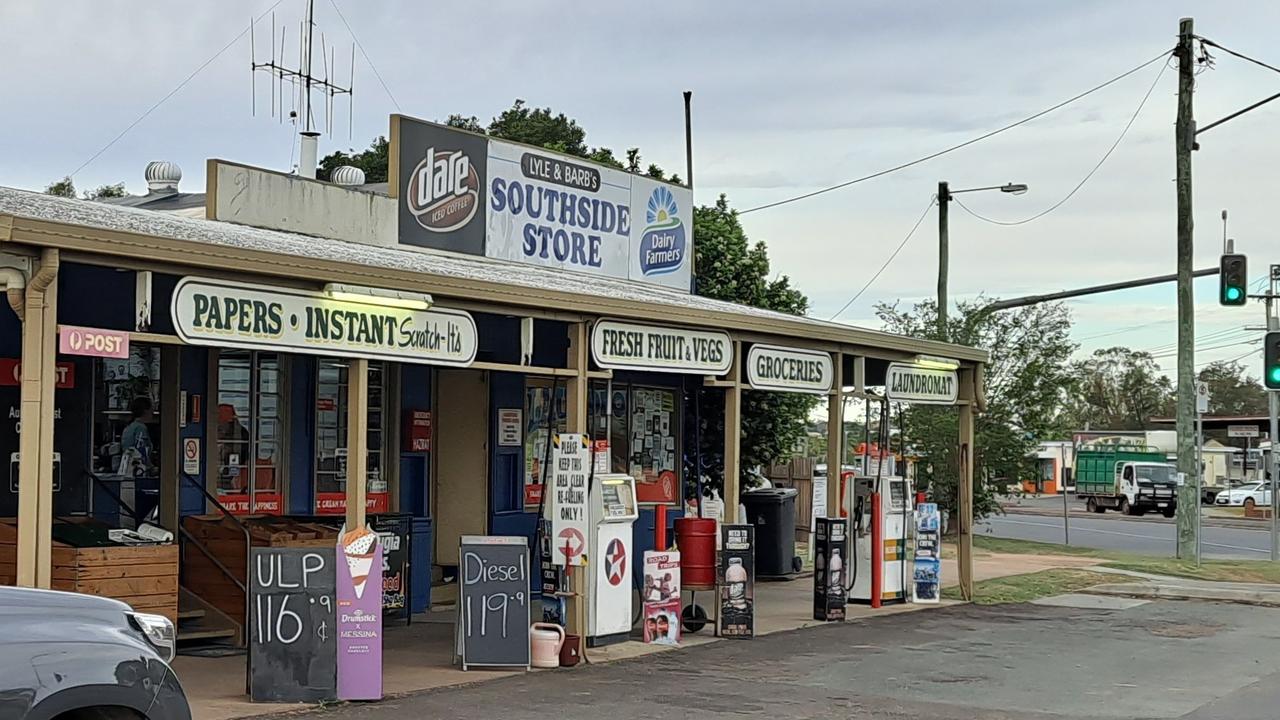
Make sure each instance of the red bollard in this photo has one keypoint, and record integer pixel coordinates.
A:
(877, 551)
(660, 528)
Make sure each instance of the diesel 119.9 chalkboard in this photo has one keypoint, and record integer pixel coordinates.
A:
(493, 607)
(293, 651)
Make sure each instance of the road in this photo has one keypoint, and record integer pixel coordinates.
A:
(1144, 537)
(1195, 661)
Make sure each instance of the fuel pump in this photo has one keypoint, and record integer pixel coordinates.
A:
(880, 521)
(612, 502)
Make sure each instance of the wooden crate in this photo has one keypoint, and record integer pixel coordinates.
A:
(144, 576)
(224, 540)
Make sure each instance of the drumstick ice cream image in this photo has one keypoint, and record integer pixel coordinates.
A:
(358, 545)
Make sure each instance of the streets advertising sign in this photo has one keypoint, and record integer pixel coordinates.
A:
(781, 369)
(632, 346)
(920, 385)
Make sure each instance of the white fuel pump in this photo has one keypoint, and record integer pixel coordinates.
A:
(880, 513)
(612, 503)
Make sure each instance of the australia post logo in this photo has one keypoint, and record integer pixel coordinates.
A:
(662, 245)
(444, 190)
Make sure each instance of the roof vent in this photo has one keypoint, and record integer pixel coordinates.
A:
(162, 177)
(347, 175)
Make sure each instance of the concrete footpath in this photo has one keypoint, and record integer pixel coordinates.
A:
(418, 657)
(1145, 585)
(1051, 506)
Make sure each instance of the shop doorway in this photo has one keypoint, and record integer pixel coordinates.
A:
(125, 442)
(461, 496)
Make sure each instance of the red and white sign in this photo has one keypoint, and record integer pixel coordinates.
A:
(533, 494)
(569, 545)
(11, 374)
(93, 342)
(568, 503)
(335, 503)
(660, 597)
(601, 459)
(263, 503)
(615, 562)
(191, 456)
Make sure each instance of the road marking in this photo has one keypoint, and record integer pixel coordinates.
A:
(1132, 535)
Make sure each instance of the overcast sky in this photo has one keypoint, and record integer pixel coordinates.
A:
(788, 97)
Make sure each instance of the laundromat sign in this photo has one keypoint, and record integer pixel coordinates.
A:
(654, 348)
(789, 369)
(231, 314)
(919, 385)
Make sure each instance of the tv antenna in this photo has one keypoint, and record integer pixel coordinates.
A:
(302, 82)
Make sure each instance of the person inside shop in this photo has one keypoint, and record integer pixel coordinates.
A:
(135, 442)
(234, 439)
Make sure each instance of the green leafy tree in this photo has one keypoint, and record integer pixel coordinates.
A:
(1232, 391)
(1119, 389)
(62, 188)
(1027, 382)
(105, 191)
(372, 161)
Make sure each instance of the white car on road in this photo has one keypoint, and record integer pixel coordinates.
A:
(1247, 495)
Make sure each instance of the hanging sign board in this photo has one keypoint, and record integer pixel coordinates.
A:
(570, 464)
(293, 648)
(493, 610)
(1243, 431)
(737, 616)
(223, 313)
(92, 342)
(359, 592)
(926, 574)
(921, 386)
(770, 367)
(653, 348)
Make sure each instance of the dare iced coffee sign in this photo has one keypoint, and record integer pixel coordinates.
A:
(93, 342)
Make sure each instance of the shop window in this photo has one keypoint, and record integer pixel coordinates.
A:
(331, 438)
(540, 420)
(644, 440)
(123, 388)
(250, 432)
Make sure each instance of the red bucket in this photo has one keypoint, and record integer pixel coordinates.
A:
(696, 538)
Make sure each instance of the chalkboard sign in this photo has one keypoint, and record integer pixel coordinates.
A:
(493, 616)
(293, 651)
(395, 531)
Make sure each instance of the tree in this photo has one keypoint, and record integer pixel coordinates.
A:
(62, 188)
(1232, 391)
(1119, 389)
(1027, 382)
(372, 161)
(105, 191)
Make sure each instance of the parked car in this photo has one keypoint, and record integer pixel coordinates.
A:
(1247, 495)
(84, 657)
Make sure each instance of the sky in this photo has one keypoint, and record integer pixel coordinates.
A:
(787, 98)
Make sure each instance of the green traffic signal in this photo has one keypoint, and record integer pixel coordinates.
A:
(1271, 360)
(1232, 294)
(1275, 375)
(1233, 277)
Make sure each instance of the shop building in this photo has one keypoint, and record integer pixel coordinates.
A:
(316, 350)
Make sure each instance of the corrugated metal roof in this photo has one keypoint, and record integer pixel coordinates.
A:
(39, 206)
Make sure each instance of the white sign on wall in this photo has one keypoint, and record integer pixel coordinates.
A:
(232, 314)
(510, 427)
(770, 367)
(571, 460)
(654, 348)
(919, 385)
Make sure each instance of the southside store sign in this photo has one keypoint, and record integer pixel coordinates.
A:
(770, 367)
(630, 346)
(467, 193)
(922, 386)
(230, 314)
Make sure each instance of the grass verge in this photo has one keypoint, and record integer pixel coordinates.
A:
(1255, 571)
(1024, 588)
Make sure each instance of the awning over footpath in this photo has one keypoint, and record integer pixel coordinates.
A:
(91, 227)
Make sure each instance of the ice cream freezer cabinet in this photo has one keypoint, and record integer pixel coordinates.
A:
(612, 503)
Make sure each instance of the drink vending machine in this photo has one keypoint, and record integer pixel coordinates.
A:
(612, 504)
(880, 515)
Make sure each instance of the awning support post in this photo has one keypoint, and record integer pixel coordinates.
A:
(576, 395)
(964, 493)
(835, 436)
(733, 438)
(35, 444)
(357, 441)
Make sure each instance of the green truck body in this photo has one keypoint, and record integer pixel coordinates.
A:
(1096, 467)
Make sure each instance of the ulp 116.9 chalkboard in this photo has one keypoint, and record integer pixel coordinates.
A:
(293, 651)
(493, 610)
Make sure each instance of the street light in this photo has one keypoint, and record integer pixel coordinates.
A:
(945, 194)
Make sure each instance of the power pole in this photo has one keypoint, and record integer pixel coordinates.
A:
(1184, 143)
(944, 199)
(1273, 410)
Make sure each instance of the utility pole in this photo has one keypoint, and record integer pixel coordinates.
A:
(1184, 143)
(944, 199)
(1273, 404)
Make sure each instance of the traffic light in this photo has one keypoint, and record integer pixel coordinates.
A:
(1233, 279)
(1271, 360)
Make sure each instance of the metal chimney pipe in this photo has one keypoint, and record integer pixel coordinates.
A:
(310, 151)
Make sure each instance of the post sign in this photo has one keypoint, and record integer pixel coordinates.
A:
(1202, 397)
(468, 193)
(223, 313)
(737, 581)
(789, 369)
(1243, 431)
(570, 464)
(92, 342)
(654, 348)
(493, 603)
(292, 632)
(921, 385)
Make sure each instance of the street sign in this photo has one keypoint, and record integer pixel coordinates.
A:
(1202, 397)
(1243, 431)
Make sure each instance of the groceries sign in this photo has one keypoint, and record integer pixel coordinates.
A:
(466, 193)
(923, 386)
(789, 370)
(232, 314)
(654, 348)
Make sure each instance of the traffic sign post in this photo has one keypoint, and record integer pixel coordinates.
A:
(1202, 407)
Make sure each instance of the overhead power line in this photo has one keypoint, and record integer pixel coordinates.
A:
(1088, 176)
(365, 54)
(923, 215)
(174, 91)
(958, 146)
(1240, 55)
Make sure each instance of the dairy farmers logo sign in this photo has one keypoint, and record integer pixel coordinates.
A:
(919, 385)
(662, 244)
(231, 314)
(444, 190)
